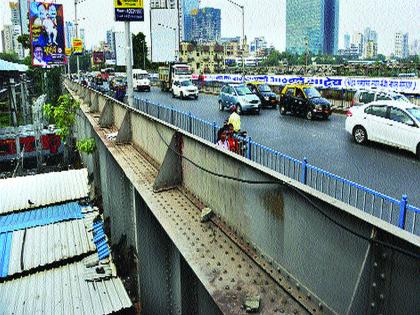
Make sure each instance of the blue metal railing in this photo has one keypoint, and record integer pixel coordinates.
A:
(391, 210)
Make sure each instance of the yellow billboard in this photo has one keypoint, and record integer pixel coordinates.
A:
(77, 46)
(128, 4)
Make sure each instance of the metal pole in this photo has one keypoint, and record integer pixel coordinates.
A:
(176, 55)
(77, 35)
(129, 64)
(144, 55)
(243, 42)
(23, 103)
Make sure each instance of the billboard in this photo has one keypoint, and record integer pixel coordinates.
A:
(98, 57)
(77, 46)
(129, 10)
(47, 34)
(164, 45)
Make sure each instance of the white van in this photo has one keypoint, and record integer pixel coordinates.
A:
(141, 80)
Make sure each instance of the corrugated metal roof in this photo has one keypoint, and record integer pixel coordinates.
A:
(41, 216)
(12, 67)
(71, 289)
(27, 192)
(24, 250)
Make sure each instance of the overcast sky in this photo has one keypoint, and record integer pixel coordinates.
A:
(262, 18)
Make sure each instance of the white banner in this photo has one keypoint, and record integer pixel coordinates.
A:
(408, 86)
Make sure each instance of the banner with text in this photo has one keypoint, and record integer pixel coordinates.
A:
(408, 86)
(129, 10)
(77, 46)
(47, 34)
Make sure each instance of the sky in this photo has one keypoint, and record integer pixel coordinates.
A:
(262, 18)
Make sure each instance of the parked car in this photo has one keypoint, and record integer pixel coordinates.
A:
(304, 100)
(239, 95)
(184, 89)
(393, 123)
(366, 96)
(267, 97)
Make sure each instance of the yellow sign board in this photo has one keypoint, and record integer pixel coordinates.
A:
(77, 45)
(68, 51)
(128, 4)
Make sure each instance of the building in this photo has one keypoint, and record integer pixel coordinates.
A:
(347, 41)
(415, 48)
(370, 43)
(82, 37)
(17, 28)
(401, 45)
(352, 53)
(164, 4)
(203, 58)
(70, 31)
(188, 6)
(7, 38)
(312, 24)
(206, 25)
(110, 40)
(233, 49)
(371, 50)
(24, 16)
(359, 42)
(257, 45)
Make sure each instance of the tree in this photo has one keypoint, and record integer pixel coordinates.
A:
(85, 62)
(25, 40)
(140, 52)
(11, 57)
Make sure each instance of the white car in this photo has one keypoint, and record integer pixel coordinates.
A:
(184, 89)
(390, 122)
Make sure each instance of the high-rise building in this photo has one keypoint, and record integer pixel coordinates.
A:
(312, 24)
(189, 7)
(163, 4)
(110, 40)
(347, 41)
(401, 45)
(370, 43)
(7, 38)
(24, 16)
(70, 31)
(359, 42)
(206, 25)
(17, 29)
(82, 37)
(415, 48)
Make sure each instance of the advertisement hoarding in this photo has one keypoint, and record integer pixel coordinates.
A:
(46, 22)
(98, 57)
(129, 10)
(77, 46)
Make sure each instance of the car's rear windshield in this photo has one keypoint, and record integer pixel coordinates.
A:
(243, 90)
(186, 83)
(401, 98)
(264, 88)
(415, 111)
(311, 92)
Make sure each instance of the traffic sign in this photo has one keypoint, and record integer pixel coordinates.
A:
(129, 10)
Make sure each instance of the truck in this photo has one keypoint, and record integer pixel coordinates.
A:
(173, 72)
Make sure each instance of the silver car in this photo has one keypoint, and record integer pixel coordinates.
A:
(239, 95)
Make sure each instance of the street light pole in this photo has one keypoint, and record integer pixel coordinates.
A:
(242, 8)
(129, 63)
(77, 36)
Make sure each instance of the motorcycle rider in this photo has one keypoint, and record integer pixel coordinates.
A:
(234, 119)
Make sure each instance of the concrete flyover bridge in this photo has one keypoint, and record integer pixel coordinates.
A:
(273, 244)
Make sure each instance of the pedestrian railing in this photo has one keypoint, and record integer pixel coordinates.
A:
(391, 210)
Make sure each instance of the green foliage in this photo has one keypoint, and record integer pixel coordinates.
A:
(87, 146)
(85, 63)
(63, 114)
(140, 51)
(11, 57)
(25, 40)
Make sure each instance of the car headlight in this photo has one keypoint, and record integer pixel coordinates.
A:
(318, 107)
(267, 98)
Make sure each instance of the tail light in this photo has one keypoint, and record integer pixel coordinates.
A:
(349, 113)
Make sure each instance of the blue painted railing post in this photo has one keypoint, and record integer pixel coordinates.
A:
(147, 106)
(249, 155)
(189, 122)
(214, 132)
(304, 175)
(403, 212)
(172, 116)
(158, 111)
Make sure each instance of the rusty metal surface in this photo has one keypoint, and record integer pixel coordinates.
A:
(228, 274)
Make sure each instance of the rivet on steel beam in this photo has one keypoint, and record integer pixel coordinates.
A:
(375, 264)
(381, 296)
(374, 284)
(297, 286)
(382, 276)
(372, 305)
(384, 256)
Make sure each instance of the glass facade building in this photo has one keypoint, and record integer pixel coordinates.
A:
(188, 6)
(313, 23)
(206, 25)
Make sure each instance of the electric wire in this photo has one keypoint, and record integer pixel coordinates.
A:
(308, 199)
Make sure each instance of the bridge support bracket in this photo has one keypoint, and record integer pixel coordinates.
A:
(170, 172)
(107, 116)
(124, 134)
